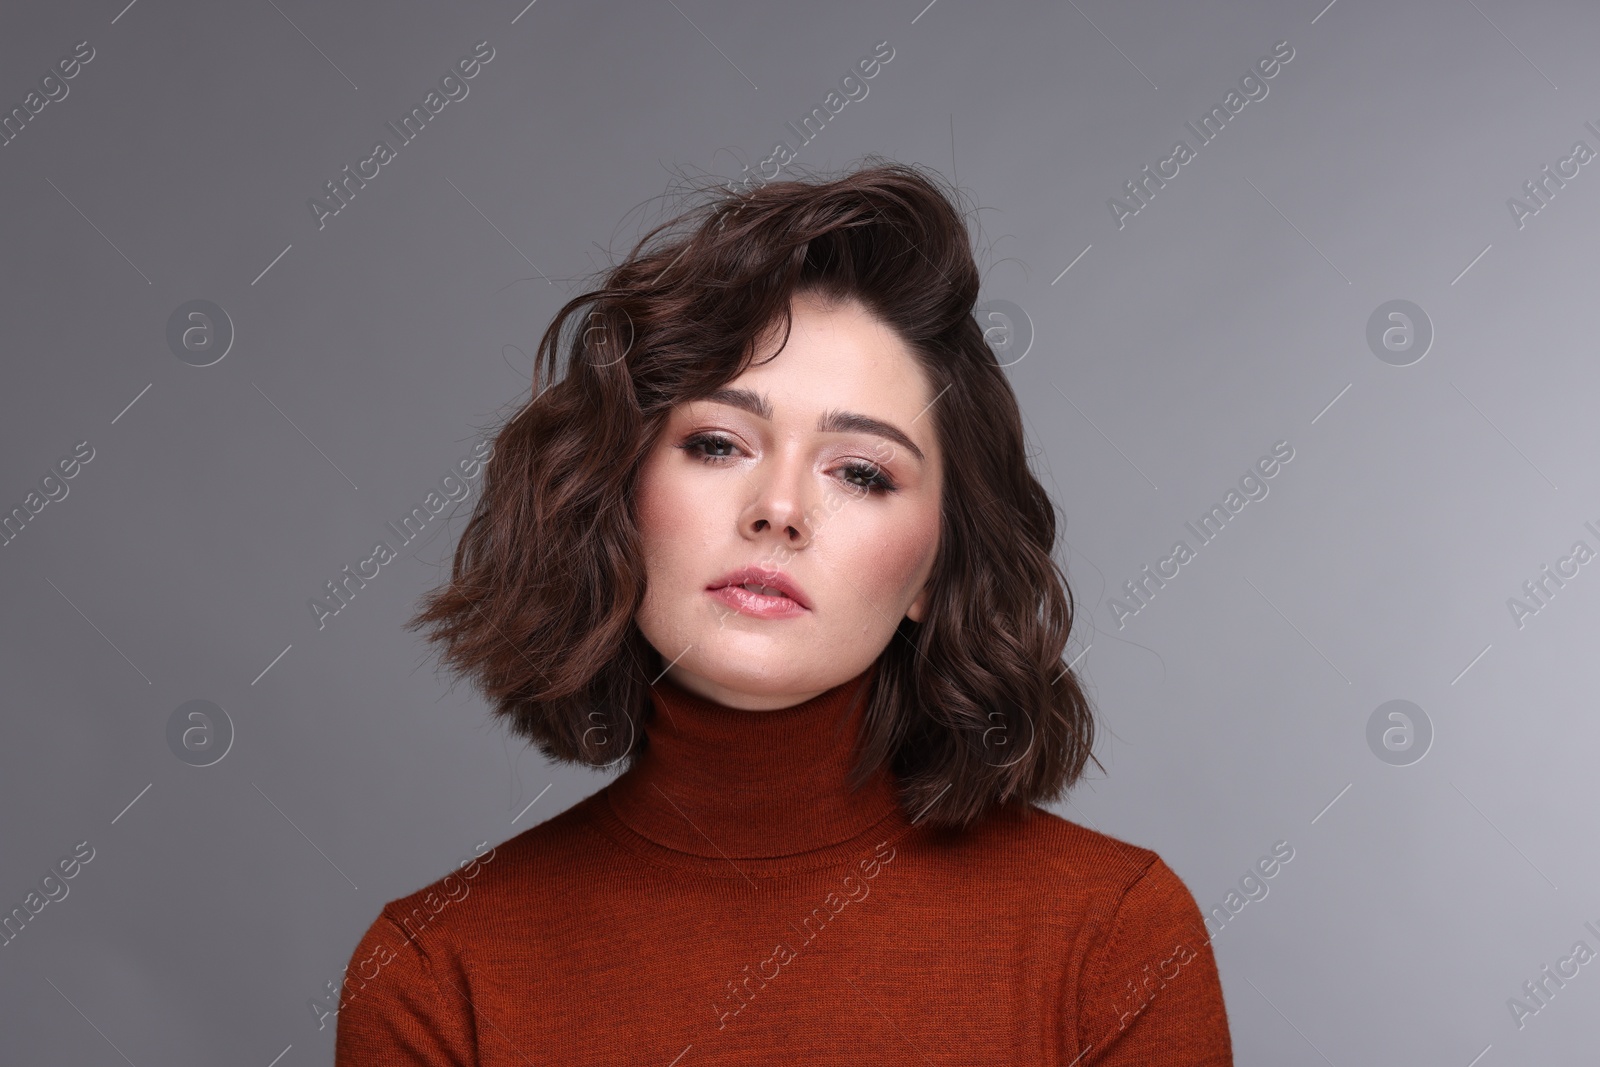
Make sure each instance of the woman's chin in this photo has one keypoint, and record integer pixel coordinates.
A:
(756, 661)
(740, 674)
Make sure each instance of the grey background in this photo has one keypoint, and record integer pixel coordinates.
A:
(1225, 316)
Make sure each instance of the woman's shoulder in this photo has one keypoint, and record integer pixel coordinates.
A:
(1128, 912)
(476, 897)
(415, 959)
(1080, 855)
(1068, 869)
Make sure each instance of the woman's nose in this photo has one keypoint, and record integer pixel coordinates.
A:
(779, 505)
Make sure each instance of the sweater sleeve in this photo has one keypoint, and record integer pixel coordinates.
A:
(397, 1008)
(1150, 990)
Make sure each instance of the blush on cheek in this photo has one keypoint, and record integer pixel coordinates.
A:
(886, 567)
(672, 508)
(678, 516)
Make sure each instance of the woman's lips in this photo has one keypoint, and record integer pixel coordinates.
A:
(749, 602)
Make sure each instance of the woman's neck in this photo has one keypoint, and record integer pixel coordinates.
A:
(718, 781)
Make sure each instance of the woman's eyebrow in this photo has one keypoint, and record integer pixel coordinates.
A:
(833, 421)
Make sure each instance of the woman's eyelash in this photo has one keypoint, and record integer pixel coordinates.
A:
(693, 446)
(873, 478)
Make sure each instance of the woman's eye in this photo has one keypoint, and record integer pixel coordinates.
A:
(712, 448)
(869, 477)
(707, 446)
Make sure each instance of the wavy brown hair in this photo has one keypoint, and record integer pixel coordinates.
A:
(973, 706)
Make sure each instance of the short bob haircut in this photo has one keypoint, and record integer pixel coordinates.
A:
(973, 706)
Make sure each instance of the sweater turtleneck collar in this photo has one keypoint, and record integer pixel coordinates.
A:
(721, 782)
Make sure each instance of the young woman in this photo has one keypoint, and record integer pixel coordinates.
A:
(771, 548)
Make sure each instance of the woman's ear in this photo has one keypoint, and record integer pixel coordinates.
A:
(918, 606)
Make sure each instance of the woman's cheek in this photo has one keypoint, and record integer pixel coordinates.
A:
(886, 555)
(660, 539)
(674, 504)
(679, 521)
(654, 497)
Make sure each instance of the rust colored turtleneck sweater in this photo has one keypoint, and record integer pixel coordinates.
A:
(729, 901)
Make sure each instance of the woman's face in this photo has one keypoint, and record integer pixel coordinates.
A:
(794, 468)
